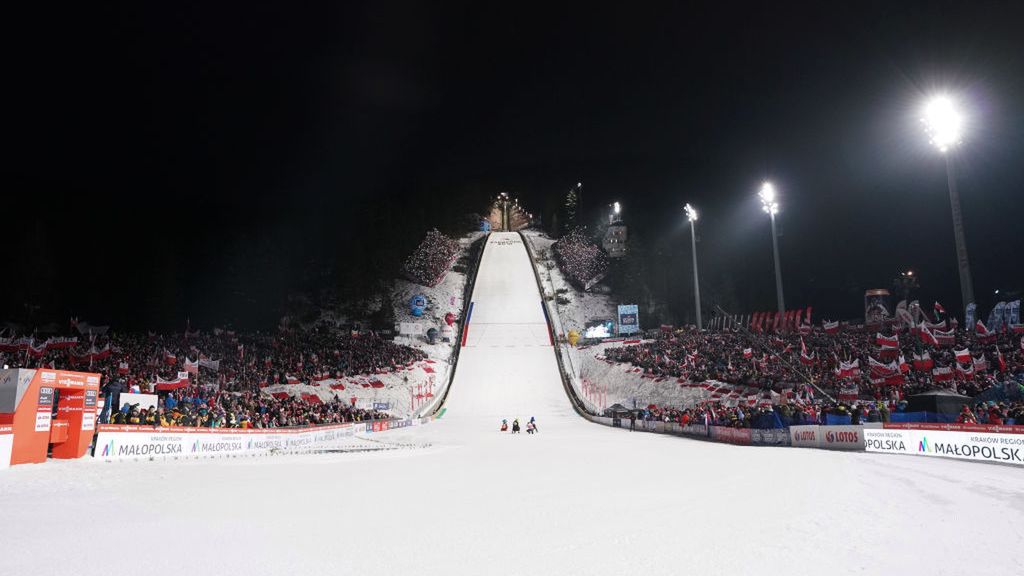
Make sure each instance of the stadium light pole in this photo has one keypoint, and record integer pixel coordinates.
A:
(691, 215)
(943, 124)
(771, 207)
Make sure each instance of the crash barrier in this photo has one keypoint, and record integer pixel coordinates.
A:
(985, 443)
(130, 442)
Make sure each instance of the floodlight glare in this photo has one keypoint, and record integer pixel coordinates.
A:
(767, 195)
(943, 123)
(691, 213)
(618, 208)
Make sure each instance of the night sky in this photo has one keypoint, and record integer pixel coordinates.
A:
(207, 161)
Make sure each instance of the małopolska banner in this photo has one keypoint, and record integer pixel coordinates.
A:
(116, 442)
(937, 441)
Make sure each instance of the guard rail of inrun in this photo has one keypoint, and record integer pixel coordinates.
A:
(549, 314)
(476, 254)
(979, 443)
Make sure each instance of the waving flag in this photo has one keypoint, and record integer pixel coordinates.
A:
(942, 374)
(887, 342)
(983, 334)
(980, 364)
(831, 327)
(963, 356)
(923, 362)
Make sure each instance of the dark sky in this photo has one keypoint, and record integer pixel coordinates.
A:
(205, 161)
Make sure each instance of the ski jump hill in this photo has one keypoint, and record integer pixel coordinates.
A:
(576, 498)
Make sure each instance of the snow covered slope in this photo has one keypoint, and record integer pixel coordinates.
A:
(577, 498)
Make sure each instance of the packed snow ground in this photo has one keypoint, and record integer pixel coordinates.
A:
(577, 498)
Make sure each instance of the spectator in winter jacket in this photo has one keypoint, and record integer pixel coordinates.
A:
(112, 395)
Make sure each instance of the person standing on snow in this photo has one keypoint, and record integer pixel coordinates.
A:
(515, 426)
(504, 425)
(533, 422)
(530, 427)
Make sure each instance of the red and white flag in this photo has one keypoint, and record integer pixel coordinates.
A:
(122, 368)
(942, 374)
(980, 364)
(831, 327)
(939, 309)
(170, 359)
(923, 362)
(983, 334)
(963, 356)
(926, 336)
(191, 367)
(748, 353)
(805, 358)
(965, 371)
(887, 342)
(904, 367)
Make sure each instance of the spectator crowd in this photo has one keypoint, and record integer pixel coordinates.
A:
(430, 261)
(227, 372)
(579, 259)
(870, 375)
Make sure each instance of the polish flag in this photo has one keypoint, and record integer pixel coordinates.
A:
(927, 337)
(923, 362)
(963, 356)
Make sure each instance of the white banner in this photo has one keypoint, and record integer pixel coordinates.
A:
(116, 442)
(6, 445)
(145, 401)
(410, 328)
(804, 436)
(890, 441)
(981, 446)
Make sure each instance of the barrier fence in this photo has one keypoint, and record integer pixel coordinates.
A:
(120, 442)
(979, 442)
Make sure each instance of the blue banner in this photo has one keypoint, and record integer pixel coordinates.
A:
(1014, 311)
(972, 312)
(629, 320)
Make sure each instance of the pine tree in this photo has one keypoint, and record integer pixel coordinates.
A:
(572, 201)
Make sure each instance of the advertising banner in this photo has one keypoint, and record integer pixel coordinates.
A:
(629, 320)
(6, 445)
(888, 441)
(986, 447)
(115, 442)
(731, 435)
(841, 437)
(804, 436)
(951, 441)
(769, 437)
(44, 410)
